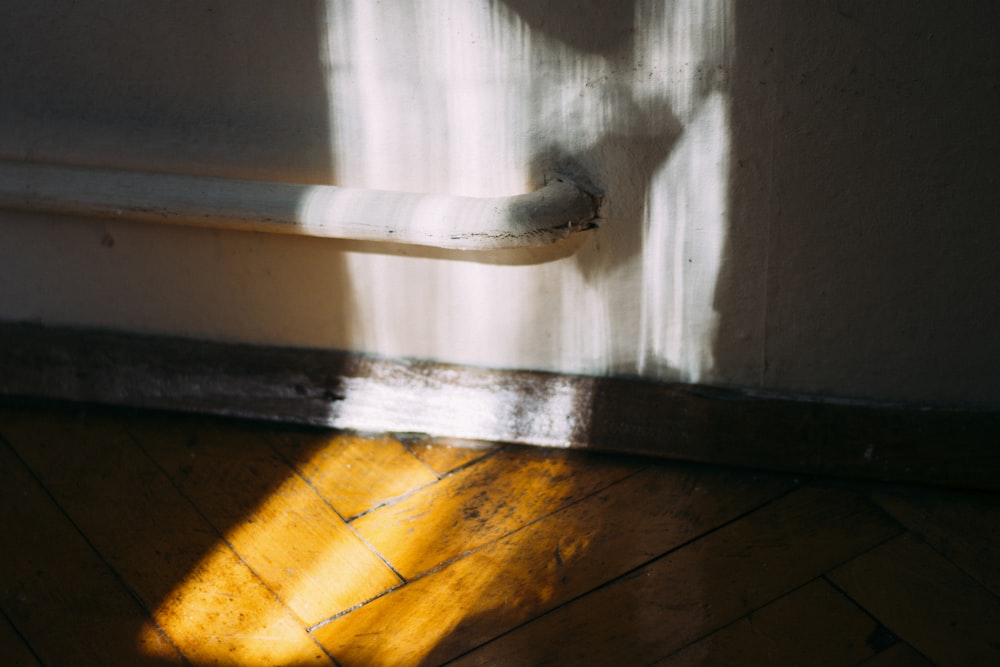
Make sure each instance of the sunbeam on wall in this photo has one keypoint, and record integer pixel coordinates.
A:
(797, 197)
(446, 97)
(681, 258)
(480, 99)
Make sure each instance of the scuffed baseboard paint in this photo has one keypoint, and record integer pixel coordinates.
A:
(349, 391)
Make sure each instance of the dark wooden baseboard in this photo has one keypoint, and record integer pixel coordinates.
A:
(350, 391)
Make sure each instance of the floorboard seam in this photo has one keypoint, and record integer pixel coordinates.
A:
(403, 496)
(222, 538)
(100, 556)
(629, 572)
(295, 471)
(464, 554)
(24, 640)
(746, 616)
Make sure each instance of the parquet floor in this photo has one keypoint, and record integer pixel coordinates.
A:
(134, 538)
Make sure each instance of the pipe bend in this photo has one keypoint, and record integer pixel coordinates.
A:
(556, 211)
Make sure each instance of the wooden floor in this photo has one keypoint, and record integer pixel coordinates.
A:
(134, 538)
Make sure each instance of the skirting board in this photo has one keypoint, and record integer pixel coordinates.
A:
(625, 415)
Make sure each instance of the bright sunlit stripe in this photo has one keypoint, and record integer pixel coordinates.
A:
(448, 96)
(465, 98)
(681, 260)
(554, 418)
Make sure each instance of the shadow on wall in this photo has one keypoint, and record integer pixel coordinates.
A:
(500, 92)
(662, 155)
(860, 232)
(864, 179)
(333, 92)
(625, 133)
(799, 197)
(217, 88)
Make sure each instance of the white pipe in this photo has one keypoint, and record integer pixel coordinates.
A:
(552, 213)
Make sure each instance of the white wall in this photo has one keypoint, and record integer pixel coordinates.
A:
(799, 195)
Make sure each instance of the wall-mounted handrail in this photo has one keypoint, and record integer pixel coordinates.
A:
(554, 212)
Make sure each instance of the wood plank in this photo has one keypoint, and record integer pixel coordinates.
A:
(13, 650)
(281, 528)
(658, 609)
(543, 565)
(327, 388)
(443, 455)
(899, 654)
(960, 526)
(207, 601)
(58, 592)
(483, 503)
(815, 625)
(926, 601)
(354, 473)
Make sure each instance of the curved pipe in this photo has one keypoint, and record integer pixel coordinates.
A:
(548, 215)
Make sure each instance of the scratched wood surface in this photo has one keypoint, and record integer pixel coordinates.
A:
(150, 538)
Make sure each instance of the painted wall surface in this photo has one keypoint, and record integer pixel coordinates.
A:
(800, 196)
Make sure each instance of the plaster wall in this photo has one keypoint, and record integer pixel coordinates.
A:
(800, 196)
